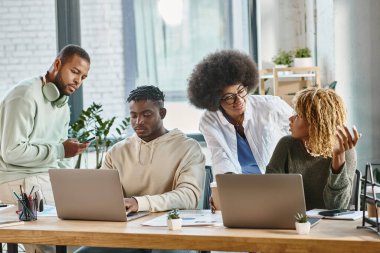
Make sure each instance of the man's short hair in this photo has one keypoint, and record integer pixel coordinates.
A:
(70, 50)
(146, 92)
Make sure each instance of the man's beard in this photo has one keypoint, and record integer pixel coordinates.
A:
(58, 81)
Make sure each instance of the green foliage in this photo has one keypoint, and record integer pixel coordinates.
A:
(303, 52)
(121, 130)
(90, 123)
(173, 214)
(283, 58)
(301, 218)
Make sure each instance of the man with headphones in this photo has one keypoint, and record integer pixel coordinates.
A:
(34, 122)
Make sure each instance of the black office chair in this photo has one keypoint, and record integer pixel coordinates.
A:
(207, 189)
(356, 187)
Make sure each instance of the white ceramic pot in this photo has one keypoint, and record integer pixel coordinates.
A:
(283, 72)
(281, 66)
(303, 62)
(175, 224)
(303, 228)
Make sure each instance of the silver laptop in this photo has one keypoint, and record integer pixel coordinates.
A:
(260, 201)
(89, 194)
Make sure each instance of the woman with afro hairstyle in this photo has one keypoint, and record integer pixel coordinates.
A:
(241, 130)
(320, 148)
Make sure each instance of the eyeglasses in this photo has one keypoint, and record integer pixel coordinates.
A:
(230, 98)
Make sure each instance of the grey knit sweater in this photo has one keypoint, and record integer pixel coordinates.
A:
(323, 189)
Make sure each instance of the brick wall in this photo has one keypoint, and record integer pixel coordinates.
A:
(27, 39)
(28, 47)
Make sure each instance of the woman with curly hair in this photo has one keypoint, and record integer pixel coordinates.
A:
(241, 130)
(320, 148)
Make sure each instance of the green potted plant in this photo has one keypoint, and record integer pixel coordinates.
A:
(81, 130)
(302, 57)
(283, 59)
(122, 129)
(91, 123)
(302, 224)
(174, 220)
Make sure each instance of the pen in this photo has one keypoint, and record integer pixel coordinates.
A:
(23, 204)
(31, 191)
(18, 198)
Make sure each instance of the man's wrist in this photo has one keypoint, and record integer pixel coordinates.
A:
(60, 149)
(137, 203)
(143, 203)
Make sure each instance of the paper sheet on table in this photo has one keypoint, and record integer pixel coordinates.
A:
(351, 216)
(48, 211)
(189, 218)
(6, 207)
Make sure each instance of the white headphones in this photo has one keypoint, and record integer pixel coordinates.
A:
(52, 93)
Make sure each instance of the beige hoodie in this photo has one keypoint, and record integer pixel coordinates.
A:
(163, 174)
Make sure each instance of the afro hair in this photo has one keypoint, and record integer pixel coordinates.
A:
(217, 71)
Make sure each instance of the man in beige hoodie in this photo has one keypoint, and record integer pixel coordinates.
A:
(159, 169)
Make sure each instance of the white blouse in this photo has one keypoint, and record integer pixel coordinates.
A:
(266, 120)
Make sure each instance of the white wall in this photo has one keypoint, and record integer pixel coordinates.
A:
(357, 58)
(298, 23)
(344, 36)
(282, 25)
(325, 40)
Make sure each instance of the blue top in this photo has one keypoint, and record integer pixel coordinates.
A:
(246, 159)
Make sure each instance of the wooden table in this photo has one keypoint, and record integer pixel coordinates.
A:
(327, 236)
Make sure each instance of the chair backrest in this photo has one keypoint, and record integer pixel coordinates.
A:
(207, 189)
(355, 196)
(205, 204)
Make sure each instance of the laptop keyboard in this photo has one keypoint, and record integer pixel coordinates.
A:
(135, 215)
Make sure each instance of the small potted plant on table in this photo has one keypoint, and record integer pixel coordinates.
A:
(302, 224)
(174, 221)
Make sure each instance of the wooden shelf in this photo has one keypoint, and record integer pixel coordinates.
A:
(287, 81)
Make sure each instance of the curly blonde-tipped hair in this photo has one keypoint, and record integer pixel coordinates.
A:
(324, 111)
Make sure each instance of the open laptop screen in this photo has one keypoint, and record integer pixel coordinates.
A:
(260, 201)
(88, 194)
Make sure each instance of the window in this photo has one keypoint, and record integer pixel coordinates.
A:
(155, 42)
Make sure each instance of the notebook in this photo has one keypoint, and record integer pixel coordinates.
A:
(350, 216)
(89, 194)
(261, 201)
